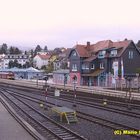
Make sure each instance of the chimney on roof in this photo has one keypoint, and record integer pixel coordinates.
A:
(88, 43)
(88, 46)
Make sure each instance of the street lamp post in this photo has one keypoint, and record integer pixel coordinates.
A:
(74, 88)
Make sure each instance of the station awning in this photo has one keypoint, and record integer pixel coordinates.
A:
(94, 74)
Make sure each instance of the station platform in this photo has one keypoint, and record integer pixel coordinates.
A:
(10, 129)
(65, 113)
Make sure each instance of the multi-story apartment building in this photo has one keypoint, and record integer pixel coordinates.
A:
(98, 64)
(21, 59)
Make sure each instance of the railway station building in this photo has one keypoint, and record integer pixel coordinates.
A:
(104, 63)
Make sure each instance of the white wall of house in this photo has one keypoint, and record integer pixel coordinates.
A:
(38, 62)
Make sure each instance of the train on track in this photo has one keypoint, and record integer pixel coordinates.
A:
(7, 75)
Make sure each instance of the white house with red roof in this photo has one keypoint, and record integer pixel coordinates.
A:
(41, 60)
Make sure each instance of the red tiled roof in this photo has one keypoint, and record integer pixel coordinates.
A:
(90, 58)
(122, 45)
(44, 56)
(86, 51)
(101, 45)
(82, 50)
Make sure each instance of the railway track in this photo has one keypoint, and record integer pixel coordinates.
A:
(86, 97)
(90, 90)
(99, 99)
(85, 116)
(56, 130)
(98, 106)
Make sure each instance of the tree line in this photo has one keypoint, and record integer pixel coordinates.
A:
(4, 49)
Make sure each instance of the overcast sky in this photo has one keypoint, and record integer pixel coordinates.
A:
(63, 23)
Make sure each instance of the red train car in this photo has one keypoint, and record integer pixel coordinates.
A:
(7, 75)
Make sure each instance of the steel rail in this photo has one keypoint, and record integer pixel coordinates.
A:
(60, 132)
(104, 122)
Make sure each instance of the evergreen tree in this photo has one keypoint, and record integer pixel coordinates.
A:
(17, 51)
(32, 53)
(11, 50)
(16, 64)
(14, 50)
(3, 48)
(27, 65)
(37, 49)
(11, 64)
(25, 52)
(46, 48)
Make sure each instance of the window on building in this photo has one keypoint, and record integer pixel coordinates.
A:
(58, 64)
(74, 67)
(101, 54)
(85, 66)
(101, 66)
(16, 56)
(68, 64)
(113, 53)
(74, 53)
(130, 54)
(92, 66)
